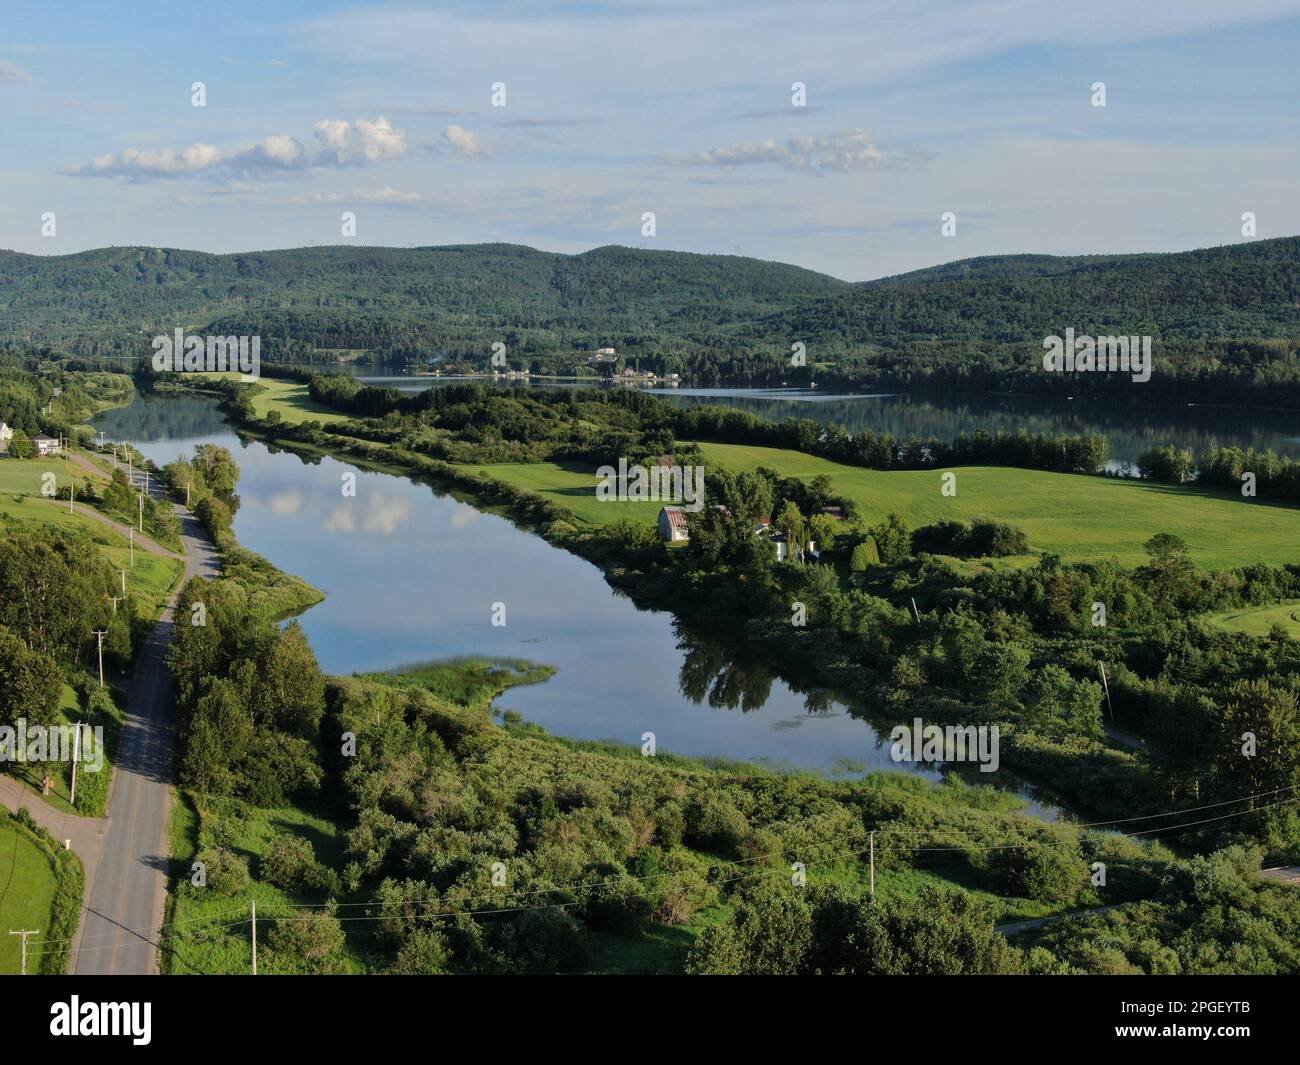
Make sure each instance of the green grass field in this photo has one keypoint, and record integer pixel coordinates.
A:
(151, 578)
(23, 476)
(570, 486)
(1079, 517)
(1256, 621)
(289, 398)
(27, 887)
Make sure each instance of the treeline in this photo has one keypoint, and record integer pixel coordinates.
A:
(55, 589)
(250, 693)
(250, 696)
(882, 451)
(54, 398)
(556, 423)
(1246, 470)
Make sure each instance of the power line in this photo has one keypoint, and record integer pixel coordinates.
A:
(785, 852)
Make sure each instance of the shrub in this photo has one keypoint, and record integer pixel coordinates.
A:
(226, 871)
(864, 556)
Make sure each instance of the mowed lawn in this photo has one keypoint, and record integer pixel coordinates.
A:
(571, 486)
(1256, 621)
(1079, 517)
(289, 398)
(27, 886)
(25, 476)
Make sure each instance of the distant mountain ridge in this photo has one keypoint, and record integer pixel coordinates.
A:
(1244, 291)
(1225, 320)
(609, 290)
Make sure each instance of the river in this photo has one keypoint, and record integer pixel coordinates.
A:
(412, 574)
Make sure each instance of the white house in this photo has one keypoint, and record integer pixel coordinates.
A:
(6, 434)
(781, 544)
(45, 445)
(672, 524)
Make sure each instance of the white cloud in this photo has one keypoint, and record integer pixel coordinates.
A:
(386, 196)
(12, 73)
(347, 143)
(461, 141)
(286, 503)
(834, 152)
(385, 515)
(340, 144)
(341, 519)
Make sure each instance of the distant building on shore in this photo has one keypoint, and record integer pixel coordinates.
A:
(672, 524)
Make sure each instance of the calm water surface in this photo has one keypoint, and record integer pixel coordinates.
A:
(411, 574)
(1131, 427)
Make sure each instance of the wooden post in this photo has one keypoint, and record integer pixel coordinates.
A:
(1106, 686)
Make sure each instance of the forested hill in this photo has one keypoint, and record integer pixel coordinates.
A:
(417, 299)
(1239, 291)
(1225, 321)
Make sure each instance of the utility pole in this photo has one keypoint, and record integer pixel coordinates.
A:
(915, 612)
(1106, 685)
(254, 905)
(24, 933)
(101, 440)
(141, 520)
(131, 544)
(76, 757)
(123, 573)
(72, 490)
(115, 599)
(873, 867)
(100, 634)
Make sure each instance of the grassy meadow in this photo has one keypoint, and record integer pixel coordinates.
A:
(27, 887)
(288, 397)
(1256, 621)
(1079, 517)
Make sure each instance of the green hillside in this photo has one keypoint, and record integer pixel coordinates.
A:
(1242, 290)
(1224, 322)
(393, 298)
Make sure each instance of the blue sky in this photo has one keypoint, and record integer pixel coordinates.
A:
(914, 108)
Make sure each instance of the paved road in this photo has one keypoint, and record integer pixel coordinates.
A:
(121, 924)
(1120, 736)
(1011, 928)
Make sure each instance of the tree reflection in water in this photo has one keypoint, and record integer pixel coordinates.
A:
(726, 678)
